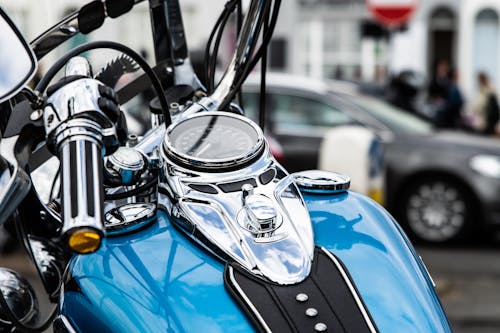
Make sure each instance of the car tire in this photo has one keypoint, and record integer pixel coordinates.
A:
(437, 210)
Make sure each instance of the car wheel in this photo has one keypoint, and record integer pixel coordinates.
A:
(436, 210)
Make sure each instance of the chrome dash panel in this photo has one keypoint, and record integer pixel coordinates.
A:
(241, 216)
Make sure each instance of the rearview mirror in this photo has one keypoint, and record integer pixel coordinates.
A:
(17, 62)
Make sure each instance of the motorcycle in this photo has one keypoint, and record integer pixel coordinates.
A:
(193, 226)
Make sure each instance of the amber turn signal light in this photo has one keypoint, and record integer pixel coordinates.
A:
(84, 241)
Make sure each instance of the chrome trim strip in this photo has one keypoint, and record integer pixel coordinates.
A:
(427, 271)
(67, 325)
(354, 293)
(247, 252)
(245, 298)
(280, 188)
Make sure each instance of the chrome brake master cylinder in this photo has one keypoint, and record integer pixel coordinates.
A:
(128, 171)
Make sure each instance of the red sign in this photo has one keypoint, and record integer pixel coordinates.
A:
(392, 12)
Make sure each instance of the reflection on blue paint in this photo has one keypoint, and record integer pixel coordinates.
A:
(156, 280)
(151, 281)
(390, 278)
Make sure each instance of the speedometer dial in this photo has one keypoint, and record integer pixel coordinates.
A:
(213, 140)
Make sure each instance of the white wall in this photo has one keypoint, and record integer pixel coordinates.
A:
(408, 49)
(468, 14)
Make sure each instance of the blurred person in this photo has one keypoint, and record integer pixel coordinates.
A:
(404, 89)
(449, 116)
(485, 111)
(437, 92)
(440, 84)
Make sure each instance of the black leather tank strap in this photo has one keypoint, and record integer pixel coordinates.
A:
(326, 301)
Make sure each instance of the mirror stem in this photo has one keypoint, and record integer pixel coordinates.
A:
(34, 97)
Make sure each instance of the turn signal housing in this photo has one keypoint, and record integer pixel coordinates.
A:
(84, 241)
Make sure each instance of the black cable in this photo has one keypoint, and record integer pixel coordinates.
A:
(239, 17)
(251, 50)
(239, 22)
(217, 32)
(244, 67)
(52, 188)
(263, 67)
(265, 41)
(135, 191)
(242, 77)
(215, 54)
(219, 25)
(208, 52)
(56, 67)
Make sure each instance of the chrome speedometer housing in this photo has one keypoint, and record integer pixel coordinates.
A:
(213, 142)
(235, 201)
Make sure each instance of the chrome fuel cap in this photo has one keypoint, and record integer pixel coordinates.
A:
(320, 181)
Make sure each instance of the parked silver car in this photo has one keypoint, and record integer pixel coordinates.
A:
(441, 185)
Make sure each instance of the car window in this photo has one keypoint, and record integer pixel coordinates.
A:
(290, 110)
(394, 118)
(251, 105)
(304, 111)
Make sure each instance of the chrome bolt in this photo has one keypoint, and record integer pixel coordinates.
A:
(247, 190)
(68, 30)
(132, 140)
(36, 115)
(301, 297)
(311, 312)
(320, 327)
(174, 108)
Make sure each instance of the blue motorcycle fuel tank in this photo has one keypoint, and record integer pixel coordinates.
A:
(157, 280)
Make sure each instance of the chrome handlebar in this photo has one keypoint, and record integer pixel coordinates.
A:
(78, 132)
(82, 185)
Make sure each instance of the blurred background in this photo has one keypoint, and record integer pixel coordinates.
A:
(421, 79)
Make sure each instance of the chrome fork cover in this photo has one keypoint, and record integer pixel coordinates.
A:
(265, 226)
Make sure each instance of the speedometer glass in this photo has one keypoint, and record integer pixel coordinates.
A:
(214, 139)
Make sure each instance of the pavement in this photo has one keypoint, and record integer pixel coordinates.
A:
(467, 279)
(468, 283)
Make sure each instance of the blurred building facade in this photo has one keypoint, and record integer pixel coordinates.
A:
(322, 38)
(133, 29)
(340, 40)
(466, 33)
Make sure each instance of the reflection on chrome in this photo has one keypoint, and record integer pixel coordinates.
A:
(262, 224)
